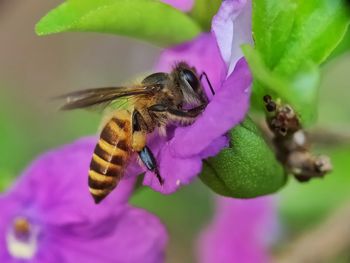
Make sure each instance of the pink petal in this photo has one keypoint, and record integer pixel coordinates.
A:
(175, 171)
(183, 5)
(232, 27)
(57, 182)
(136, 236)
(215, 147)
(238, 232)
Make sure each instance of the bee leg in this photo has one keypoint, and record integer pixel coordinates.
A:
(208, 81)
(192, 113)
(150, 162)
(139, 145)
(138, 123)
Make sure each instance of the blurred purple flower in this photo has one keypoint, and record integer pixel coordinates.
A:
(240, 232)
(49, 216)
(180, 156)
(183, 5)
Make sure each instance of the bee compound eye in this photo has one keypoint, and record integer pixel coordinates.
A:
(190, 78)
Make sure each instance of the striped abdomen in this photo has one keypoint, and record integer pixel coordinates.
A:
(110, 156)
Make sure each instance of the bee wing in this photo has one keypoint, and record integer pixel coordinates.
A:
(103, 96)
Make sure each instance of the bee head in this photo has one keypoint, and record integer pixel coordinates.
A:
(188, 81)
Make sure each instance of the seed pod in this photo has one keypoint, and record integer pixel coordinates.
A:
(291, 142)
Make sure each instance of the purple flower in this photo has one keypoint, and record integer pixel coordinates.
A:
(183, 5)
(232, 27)
(180, 155)
(49, 215)
(240, 231)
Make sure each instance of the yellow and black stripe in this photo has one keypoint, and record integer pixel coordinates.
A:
(110, 156)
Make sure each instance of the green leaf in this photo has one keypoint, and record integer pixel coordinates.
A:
(292, 38)
(318, 28)
(305, 82)
(343, 47)
(148, 20)
(272, 25)
(247, 169)
(203, 12)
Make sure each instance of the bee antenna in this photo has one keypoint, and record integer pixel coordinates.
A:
(208, 81)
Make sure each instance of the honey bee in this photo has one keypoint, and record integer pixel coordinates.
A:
(159, 100)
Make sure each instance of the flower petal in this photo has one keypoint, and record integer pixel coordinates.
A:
(227, 108)
(183, 5)
(239, 231)
(201, 53)
(8, 210)
(175, 171)
(57, 182)
(232, 27)
(136, 236)
(54, 193)
(215, 147)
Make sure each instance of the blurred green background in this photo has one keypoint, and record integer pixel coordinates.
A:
(35, 69)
